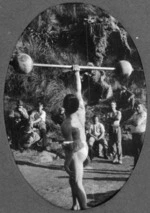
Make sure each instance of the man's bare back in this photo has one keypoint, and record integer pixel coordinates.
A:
(73, 129)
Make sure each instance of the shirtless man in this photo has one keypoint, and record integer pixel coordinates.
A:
(115, 136)
(76, 148)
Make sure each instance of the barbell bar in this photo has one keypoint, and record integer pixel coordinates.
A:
(26, 65)
(70, 66)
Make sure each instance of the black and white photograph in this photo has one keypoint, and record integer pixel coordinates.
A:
(75, 105)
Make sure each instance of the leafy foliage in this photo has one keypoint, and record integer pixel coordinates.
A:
(69, 34)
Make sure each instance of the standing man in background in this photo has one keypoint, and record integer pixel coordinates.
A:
(137, 125)
(115, 136)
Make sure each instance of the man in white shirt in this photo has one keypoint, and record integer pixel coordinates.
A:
(41, 123)
(137, 125)
(97, 139)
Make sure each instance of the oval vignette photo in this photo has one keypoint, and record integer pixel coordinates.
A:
(75, 105)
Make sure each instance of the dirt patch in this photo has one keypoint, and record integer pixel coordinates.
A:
(102, 179)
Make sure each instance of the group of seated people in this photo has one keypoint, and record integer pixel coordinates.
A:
(27, 128)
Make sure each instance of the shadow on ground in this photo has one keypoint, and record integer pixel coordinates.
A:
(53, 167)
(99, 198)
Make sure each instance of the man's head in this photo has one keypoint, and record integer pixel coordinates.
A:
(90, 64)
(17, 117)
(113, 105)
(95, 74)
(139, 108)
(19, 103)
(71, 103)
(123, 89)
(95, 119)
(40, 106)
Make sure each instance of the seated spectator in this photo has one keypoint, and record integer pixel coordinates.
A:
(96, 139)
(40, 123)
(30, 134)
(19, 118)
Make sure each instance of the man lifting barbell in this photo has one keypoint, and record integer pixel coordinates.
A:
(76, 148)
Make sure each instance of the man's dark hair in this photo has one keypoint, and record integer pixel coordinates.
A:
(40, 104)
(71, 103)
(137, 103)
(113, 101)
(19, 103)
(95, 116)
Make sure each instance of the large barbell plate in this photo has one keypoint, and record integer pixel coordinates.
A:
(123, 68)
(25, 63)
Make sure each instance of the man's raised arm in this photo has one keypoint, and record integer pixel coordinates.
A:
(78, 85)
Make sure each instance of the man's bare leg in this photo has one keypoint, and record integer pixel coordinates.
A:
(78, 191)
(75, 205)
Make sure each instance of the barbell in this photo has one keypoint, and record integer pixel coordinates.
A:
(26, 64)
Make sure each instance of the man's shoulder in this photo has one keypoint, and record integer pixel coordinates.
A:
(81, 109)
(144, 114)
(101, 125)
(81, 114)
(118, 112)
(43, 112)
